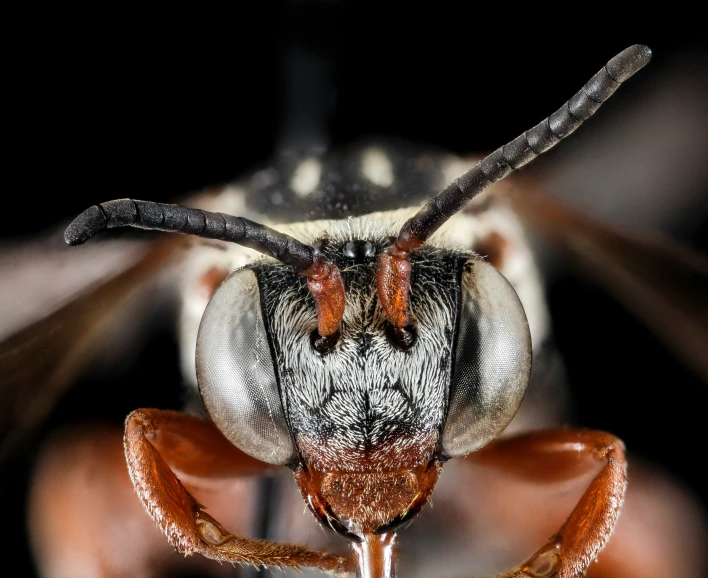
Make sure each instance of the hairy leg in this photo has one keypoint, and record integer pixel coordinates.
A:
(200, 451)
(85, 520)
(550, 455)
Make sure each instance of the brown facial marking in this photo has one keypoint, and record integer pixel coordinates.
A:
(403, 452)
(210, 281)
(494, 247)
(325, 283)
(365, 502)
(372, 499)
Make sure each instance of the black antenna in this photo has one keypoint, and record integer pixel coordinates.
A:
(177, 219)
(394, 268)
(524, 148)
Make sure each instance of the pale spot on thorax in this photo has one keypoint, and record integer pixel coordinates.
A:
(306, 177)
(376, 166)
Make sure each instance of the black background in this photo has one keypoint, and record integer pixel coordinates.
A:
(108, 105)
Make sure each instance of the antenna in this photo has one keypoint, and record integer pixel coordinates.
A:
(323, 279)
(393, 272)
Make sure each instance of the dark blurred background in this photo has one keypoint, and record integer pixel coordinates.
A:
(103, 105)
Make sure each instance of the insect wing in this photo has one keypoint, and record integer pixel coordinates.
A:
(57, 327)
(662, 282)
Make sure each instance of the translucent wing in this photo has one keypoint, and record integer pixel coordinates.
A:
(662, 282)
(639, 171)
(59, 309)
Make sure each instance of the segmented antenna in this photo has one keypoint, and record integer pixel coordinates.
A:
(524, 148)
(177, 219)
(393, 272)
(323, 279)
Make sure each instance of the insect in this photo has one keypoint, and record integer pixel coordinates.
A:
(399, 325)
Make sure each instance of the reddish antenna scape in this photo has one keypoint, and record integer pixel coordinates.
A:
(367, 506)
(323, 279)
(394, 268)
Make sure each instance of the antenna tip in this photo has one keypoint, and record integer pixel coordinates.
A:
(85, 226)
(629, 61)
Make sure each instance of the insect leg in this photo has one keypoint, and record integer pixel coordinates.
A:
(85, 520)
(549, 455)
(198, 450)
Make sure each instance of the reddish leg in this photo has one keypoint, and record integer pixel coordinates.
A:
(85, 520)
(547, 456)
(197, 449)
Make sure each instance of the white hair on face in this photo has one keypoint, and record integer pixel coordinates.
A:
(462, 232)
(357, 398)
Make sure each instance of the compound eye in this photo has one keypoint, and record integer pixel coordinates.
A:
(236, 373)
(492, 360)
